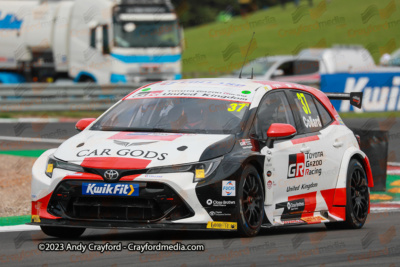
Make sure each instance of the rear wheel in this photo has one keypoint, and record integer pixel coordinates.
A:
(62, 232)
(251, 202)
(357, 195)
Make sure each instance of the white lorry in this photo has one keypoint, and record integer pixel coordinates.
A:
(103, 41)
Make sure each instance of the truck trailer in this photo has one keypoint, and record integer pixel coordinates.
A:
(102, 41)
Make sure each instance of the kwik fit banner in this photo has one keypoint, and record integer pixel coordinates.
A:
(381, 90)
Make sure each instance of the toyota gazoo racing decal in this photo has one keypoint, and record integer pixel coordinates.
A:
(304, 164)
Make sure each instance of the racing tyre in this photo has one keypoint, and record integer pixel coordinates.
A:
(62, 232)
(251, 203)
(357, 195)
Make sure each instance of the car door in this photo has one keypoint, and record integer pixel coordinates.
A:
(321, 150)
(275, 108)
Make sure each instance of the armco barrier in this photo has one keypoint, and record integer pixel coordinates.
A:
(58, 97)
(381, 89)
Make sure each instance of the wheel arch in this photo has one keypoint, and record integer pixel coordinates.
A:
(340, 190)
(258, 165)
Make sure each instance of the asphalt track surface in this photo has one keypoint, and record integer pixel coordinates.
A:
(377, 243)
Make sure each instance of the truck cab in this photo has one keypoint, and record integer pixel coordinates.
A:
(102, 41)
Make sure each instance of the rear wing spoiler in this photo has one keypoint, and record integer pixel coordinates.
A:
(355, 97)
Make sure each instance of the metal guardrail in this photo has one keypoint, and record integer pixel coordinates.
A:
(59, 97)
(63, 97)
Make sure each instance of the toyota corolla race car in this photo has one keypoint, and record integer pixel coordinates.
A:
(212, 154)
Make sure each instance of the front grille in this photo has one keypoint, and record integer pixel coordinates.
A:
(156, 201)
(114, 208)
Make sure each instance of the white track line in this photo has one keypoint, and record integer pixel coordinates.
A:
(33, 140)
(19, 228)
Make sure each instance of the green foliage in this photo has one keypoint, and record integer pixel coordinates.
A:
(325, 24)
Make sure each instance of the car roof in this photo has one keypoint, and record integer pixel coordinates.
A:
(226, 83)
(229, 84)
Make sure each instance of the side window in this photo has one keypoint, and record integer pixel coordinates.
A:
(93, 37)
(309, 116)
(303, 67)
(287, 68)
(325, 116)
(274, 108)
(106, 46)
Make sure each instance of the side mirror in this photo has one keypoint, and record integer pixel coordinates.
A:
(83, 123)
(277, 73)
(279, 131)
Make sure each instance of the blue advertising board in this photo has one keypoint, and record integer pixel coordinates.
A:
(381, 90)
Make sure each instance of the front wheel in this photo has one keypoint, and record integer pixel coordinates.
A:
(357, 195)
(251, 202)
(62, 232)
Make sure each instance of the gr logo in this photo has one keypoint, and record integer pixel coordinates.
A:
(296, 165)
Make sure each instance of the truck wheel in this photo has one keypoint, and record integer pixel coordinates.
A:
(62, 232)
(357, 195)
(86, 79)
(251, 203)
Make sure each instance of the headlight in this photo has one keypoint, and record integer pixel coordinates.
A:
(201, 170)
(54, 163)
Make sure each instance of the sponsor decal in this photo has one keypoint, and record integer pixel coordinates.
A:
(222, 225)
(200, 173)
(290, 208)
(269, 173)
(269, 184)
(137, 153)
(293, 222)
(35, 218)
(152, 176)
(220, 203)
(310, 122)
(245, 143)
(316, 219)
(218, 213)
(339, 119)
(148, 93)
(301, 164)
(294, 205)
(228, 188)
(103, 189)
(203, 92)
(301, 187)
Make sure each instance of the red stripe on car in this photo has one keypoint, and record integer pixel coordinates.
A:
(305, 139)
(115, 163)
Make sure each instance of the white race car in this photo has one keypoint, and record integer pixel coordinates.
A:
(212, 154)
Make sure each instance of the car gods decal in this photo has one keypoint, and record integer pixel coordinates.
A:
(125, 152)
(302, 164)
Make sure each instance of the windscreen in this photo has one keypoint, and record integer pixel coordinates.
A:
(146, 34)
(182, 115)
